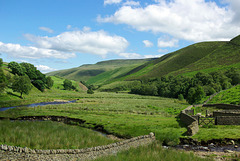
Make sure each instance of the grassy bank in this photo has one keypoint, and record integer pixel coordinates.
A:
(153, 152)
(121, 114)
(49, 135)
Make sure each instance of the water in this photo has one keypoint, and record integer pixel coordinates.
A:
(209, 148)
(38, 104)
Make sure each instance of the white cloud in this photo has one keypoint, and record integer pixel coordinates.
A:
(147, 43)
(46, 29)
(153, 56)
(99, 42)
(69, 27)
(130, 55)
(167, 42)
(31, 52)
(44, 68)
(138, 56)
(195, 20)
(131, 3)
(106, 2)
(162, 50)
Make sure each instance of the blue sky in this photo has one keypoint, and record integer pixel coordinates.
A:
(61, 34)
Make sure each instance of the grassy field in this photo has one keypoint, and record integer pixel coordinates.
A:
(121, 114)
(49, 135)
(153, 152)
(230, 96)
(10, 98)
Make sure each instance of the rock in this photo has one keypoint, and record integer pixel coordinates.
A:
(228, 151)
(211, 145)
(232, 142)
(151, 134)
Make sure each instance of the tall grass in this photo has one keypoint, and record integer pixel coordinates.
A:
(49, 135)
(153, 152)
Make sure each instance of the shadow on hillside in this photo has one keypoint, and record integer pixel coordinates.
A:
(12, 94)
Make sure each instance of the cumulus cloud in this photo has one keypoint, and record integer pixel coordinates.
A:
(147, 43)
(130, 55)
(99, 42)
(131, 3)
(44, 68)
(138, 56)
(195, 20)
(106, 2)
(165, 41)
(16, 50)
(162, 50)
(46, 29)
(153, 56)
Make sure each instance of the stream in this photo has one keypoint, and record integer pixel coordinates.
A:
(39, 104)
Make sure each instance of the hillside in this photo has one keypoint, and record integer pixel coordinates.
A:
(86, 72)
(229, 96)
(204, 56)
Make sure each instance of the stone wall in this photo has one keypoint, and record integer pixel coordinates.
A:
(189, 121)
(223, 106)
(227, 120)
(18, 153)
(226, 113)
(122, 145)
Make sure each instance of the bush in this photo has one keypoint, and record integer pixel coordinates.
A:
(90, 91)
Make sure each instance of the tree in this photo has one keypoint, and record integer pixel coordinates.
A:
(1, 62)
(22, 84)
(199, 94)
(67, 84)
(191, 95)
(16, 68)
(3, 80)
(90, 91)
(49, 82)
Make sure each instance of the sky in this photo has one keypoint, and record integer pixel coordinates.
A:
(62, 34)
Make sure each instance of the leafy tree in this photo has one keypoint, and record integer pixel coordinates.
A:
(199, 94)
(1, 62)
(3, 80)
(234, 75)
(191, 95)
(180, 97)
(67, 84)
(39, 84)
(49, 82)
(90, 91)
(22, 84)
(16, 68)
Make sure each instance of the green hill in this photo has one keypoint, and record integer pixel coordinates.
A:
(203, 56)
(86, 72)
(229, 96)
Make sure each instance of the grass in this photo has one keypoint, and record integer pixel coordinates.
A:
(121, 114)
(230, 96)
(49, 135)
(152, 152)
(10, 98)
(218, 132)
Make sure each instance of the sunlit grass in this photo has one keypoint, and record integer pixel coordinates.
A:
(153, 152)
(49, 135)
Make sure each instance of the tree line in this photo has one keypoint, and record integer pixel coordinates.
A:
(192, 89)
(25, 75)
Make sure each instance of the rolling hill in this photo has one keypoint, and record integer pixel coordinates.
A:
(86, 72)
(203, 56)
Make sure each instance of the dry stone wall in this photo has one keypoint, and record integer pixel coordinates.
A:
(18, 153)
(223, 106)
(227, 120)
(191, 122)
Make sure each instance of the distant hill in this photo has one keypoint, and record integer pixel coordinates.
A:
(203, 56)
(86, 72)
